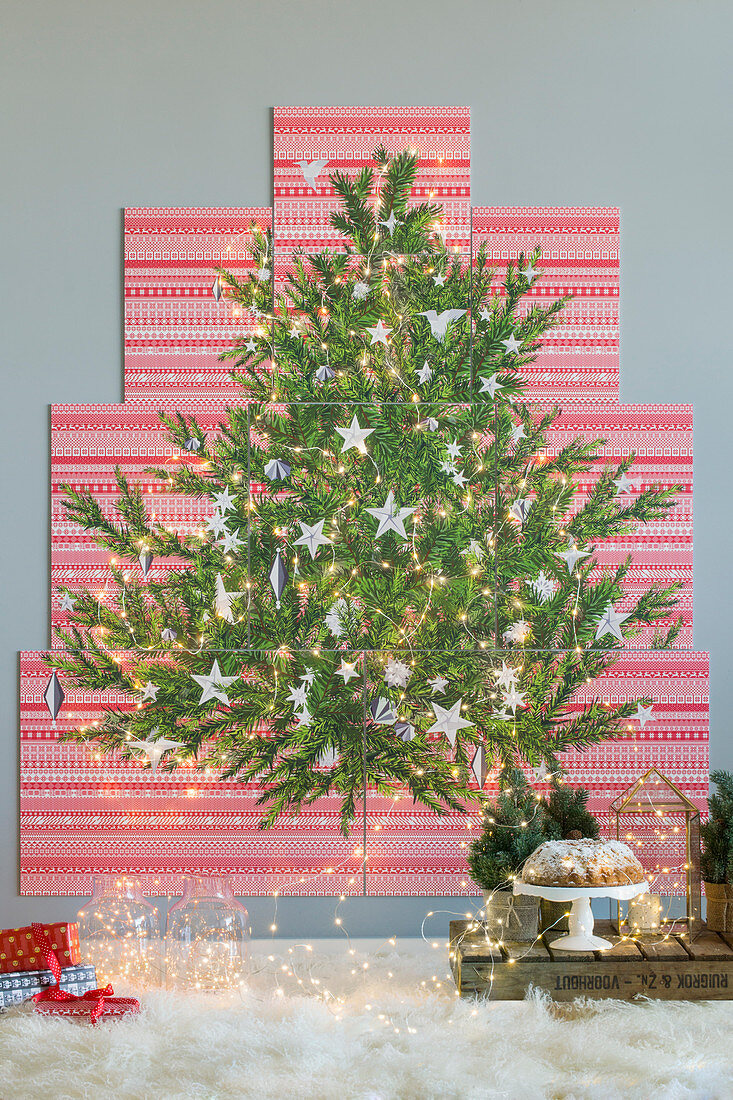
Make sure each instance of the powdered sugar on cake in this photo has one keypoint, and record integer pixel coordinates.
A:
(583, 863)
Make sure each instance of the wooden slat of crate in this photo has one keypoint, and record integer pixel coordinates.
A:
(669, 971)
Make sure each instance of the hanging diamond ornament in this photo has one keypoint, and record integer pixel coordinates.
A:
(192, 444)
(382, 712)
(54, 696)
(216, 288)
(278, 577)
(404, 730)
(325, 373)
(277, 470)
(146, 560)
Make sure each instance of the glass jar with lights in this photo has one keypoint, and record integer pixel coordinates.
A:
(120, 932)
(207, 937)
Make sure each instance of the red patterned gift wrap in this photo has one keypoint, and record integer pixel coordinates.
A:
(26, 948)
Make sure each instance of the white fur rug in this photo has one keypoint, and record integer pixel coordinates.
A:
(392, 1030)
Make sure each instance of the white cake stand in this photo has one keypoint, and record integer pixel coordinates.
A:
(580, 922)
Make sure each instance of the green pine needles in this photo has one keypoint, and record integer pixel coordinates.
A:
(716, 859)
(397, 588)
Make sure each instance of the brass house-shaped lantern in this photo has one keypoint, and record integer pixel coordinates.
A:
(654, 796)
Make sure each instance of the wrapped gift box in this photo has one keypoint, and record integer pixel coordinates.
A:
(111, 1008)
(20, 948)
(15, 988)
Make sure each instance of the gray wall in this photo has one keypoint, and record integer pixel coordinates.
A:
(165, 102)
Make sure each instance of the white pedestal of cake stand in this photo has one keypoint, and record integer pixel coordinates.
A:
(580, 922)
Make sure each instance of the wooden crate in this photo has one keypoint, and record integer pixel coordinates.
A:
(672, 969)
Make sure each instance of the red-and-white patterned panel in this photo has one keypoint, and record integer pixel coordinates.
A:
(579, 360)
(175, 328)
(87, 443)
(661, 438)
(344, 139)
(411, 851)
(81, 814)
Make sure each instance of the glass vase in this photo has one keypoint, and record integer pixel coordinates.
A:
(120, 933)
(207, 937)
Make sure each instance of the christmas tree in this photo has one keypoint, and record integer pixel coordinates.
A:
(396, 587)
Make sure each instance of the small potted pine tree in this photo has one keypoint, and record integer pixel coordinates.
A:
(566, 817)
(513, 828)
(716, 858)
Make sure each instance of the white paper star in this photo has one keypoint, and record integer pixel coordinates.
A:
(354, 436)
(308, 677)
(397, 673)
(213, 685)
(231, 542)
(304, 717)
(572, 555)
(390, 518)
(298, 695)
(624, 484)
(150, 691)
(312, 537)
(454, 449)
(67, 602)
(439, 321)
(347, 671)
(544, 586)
(528, 272)
(379, 334)
(460, 479)
(611, 623)
(514, 698)
(438, 684)
(505, 676)
(518, 433)
(360, 290)
(424, 374)
(490, 386)
(224, 501)
(643, 714)
(390, 222)
(223, 600)
(217, 524)
(153, 749)
(512, 345)
(250, 346)
(448, 721)
(518, 632)
(439, 280)
(448, 468)
(485, 314)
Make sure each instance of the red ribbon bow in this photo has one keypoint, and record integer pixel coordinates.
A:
(96, 997)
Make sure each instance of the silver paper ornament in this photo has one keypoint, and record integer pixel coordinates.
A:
(277, 470)
(192, 444)
(216, 288)
(168, 635)
(278, 577)
(54, 696)
(146, 560)
(382, 712)
(478, 765)
(325, 373)
(404, 730)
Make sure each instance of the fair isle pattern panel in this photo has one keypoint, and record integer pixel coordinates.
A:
(175, 327)
(82, 813)
(87, 443)
(661, 438)
(579, 360)
(411, 851)
(312, 143)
